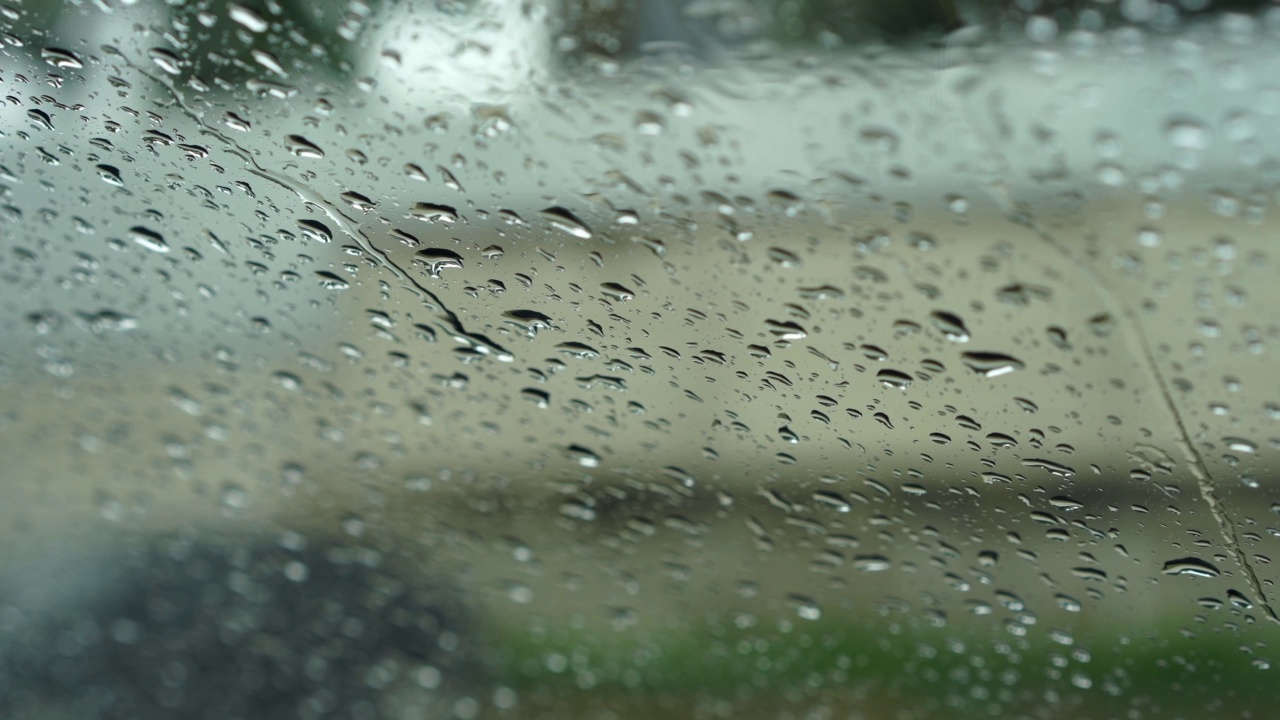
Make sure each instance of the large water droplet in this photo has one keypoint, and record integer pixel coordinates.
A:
(315, 230)
(563, 220)
(991, 364)
(60, 58)
(1193, 567)
(149, 239)
(329, 281)
(358, 201)
(786, 330)
(895, 379)
(583, 456)
(950, 325)
(166, 60)
(302, 147)
(872, 563)
(110, 175)
(437, 259)
(433, 212)
(806, 607)
(246, 18)
(616, 291)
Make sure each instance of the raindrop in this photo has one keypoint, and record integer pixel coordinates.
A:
(990, 364)
(166, 60)
(329, 281)
(806, 607)
(1054, 468)
(785, 258)
(583, 456)
(246, 18)
(648, 122)
(110, 175)
(302, 147)
(60, 58)
(433, 212)
(529, 320)
(616, 291)
(872, 563)
(358, 201)
(824, 292)
(785, 329)
(895, 379)
(235, 122)
(1192, 567)
(41, 119)
(1090, 573)
(565, 221)
(269, 61)
(437, 259)
(1187, 134)
(1062, 502)
(950, 325)
(1238, 600)
(1241, 445)
(578, 350)
(541, 398)
(833, 500)
(149, 239)
(315, 230)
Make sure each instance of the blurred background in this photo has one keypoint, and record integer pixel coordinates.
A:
(625, 359)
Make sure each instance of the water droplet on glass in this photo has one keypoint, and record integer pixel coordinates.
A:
(785, 330)
(806, 607)
(302, 147)
(583, 456)
(648, 122)
(1239, 600)
(40, 118)
(437, 259)
(895, 379)
(1241, 445)
(872, 563)
(833, 500)
(60, 58)
(1054, 468)
(531, 321)
(246, 18)
(110, 175)
(315, 230)
(991, 364)
(149, 239)
(166, 60)
(358, 201)
(329, 281)
(950, 325)
(433, 212)
(1187, 134)
(235, 122)
(616, 291)
(563, 220)
(579, 350)
(785, 258)
(1062, 502)
(1193, 567)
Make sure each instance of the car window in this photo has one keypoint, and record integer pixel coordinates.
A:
(620, 359)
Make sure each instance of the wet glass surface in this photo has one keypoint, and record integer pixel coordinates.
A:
(629, 360)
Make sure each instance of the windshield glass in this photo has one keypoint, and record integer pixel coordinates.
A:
(622, 359)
